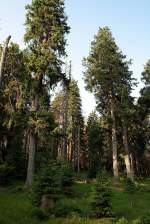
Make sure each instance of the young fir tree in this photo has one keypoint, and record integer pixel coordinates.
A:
(102, 205)
(103, 76)
(46, 27)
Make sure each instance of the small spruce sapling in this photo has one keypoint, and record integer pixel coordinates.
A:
(102, 205)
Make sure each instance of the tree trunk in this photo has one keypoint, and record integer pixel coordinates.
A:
(127, 154)
(31, 161)
(47, 204)
(114, 144)
(32, 149)
(132, 165)
(65, 122)
(78, 156)
(3, 57)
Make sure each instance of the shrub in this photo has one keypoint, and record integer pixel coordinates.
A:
(130, 186)
(102, 205)
(142, 220)
(82, 176)
(122, 221)
(64, 210)
(38, 214)
(137, 221)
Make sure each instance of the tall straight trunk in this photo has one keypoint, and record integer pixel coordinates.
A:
(114, 143)
(32, 150)
(3, 57)
(65, 121)
(129, 167)
(31, 161)
(78, 156)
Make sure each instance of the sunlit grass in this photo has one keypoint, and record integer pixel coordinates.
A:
(16, 207)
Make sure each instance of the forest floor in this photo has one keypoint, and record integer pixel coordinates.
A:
(16, 206)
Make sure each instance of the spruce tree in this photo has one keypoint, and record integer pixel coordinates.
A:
(104, 77)
(102, 205)
(46, 27)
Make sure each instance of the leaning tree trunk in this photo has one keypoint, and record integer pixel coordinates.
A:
(129, 167)
(3, 57)
(114, 143)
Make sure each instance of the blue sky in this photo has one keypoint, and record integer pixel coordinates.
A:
(128, 19)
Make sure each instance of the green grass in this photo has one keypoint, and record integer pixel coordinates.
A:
(141, 201)
(16, 207)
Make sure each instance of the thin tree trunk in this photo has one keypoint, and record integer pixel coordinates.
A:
(127, 153)
(3, 57)
(137, 165)
(114, 144)
(65, 122)
(132, 165)
(78, 156)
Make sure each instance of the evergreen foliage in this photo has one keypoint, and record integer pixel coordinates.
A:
(95, 144)
(52, 181)
(130, 186)
(102, 206)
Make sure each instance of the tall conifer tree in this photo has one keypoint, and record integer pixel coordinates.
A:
(104, 77)
(46, 27)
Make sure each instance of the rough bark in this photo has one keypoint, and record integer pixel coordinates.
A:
(31, 161)
(32, 150)
(114, 143)
(3, 57)
(129, 167)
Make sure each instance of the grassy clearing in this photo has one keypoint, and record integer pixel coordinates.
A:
(16, 207)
